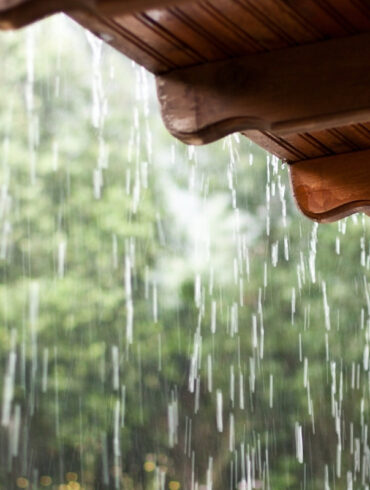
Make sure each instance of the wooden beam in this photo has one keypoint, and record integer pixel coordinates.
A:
(297, 89)
(329, 188)
(15, 14)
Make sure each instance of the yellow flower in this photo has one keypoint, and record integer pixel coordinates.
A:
(149, 466)
(174, 485)
(22, 482)
(74, 485)
(45, 481)
(71, 476)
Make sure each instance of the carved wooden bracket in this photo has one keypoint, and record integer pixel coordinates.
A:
(330, 188)
(316, 86)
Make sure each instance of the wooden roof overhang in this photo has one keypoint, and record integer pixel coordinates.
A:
(292, 75)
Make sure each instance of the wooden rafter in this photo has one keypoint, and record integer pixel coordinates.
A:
(293, 90)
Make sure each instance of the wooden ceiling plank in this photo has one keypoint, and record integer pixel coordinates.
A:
(308, 144)
(355, 136)
(151, 35)
(221, 33)
(268, 91)
(120, 7)
(182, 34)
(191, 32)
(283, 20)
(231, 29)
(363, 6)
(249, 21)
(365, 126)
(330, 188)
(313, 12)
(334, 140)
(336, 15)
(352, 14)
(315, 144)
(275, 145)
(126, 41)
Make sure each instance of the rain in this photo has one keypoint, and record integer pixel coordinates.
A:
(168, 318)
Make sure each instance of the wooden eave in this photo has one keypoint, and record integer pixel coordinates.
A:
(292, 75)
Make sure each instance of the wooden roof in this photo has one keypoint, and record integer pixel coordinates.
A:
(292, 75)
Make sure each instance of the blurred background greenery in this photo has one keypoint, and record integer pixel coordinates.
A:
(167, 317)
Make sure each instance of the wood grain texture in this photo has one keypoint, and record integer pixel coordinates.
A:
(329, 188)
(293, 90)
(114, 7)
(20, 13)
(303, 146)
